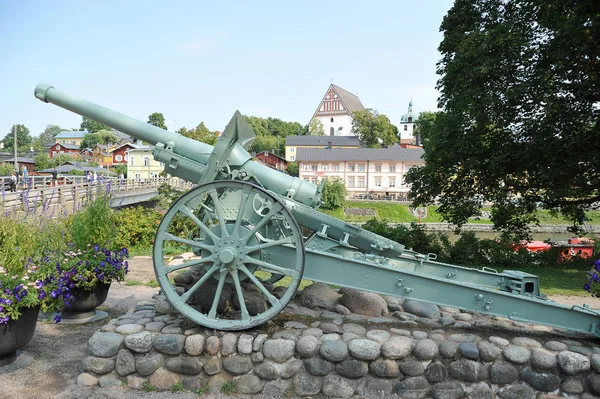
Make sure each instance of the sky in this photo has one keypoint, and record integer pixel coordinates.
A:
(200, 61)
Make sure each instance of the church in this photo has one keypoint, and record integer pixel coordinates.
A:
(335, 111)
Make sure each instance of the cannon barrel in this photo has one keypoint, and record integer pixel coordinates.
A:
(282, 184)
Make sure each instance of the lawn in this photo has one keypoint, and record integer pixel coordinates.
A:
(399, 213)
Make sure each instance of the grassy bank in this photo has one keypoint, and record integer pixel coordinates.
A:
(399, 213)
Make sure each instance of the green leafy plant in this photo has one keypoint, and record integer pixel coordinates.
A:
(147, 387)
(203, 390)
(178, 387)
(334, 194)
(229, 388)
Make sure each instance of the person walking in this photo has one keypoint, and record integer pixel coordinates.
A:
(13, 182)
(25, 174)
(54, 177)
(88, 177)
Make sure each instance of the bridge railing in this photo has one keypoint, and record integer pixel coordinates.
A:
(70, 192)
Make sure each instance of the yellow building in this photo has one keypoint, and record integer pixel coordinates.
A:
(141, 164)
(293, 143)
(73, 138)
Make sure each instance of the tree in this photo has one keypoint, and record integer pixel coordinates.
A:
(92, 126)
(157, 119)
(23, 138)
(99, 137)
(200, 133)
(315, 127)
(266, 143)
(424, 125)
(371, 127)
(293, 169)
(334, 194)
(520, 88)
(47, 136)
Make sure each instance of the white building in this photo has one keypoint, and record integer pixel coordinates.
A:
(407, 126)
(365, 171)
(335, 111)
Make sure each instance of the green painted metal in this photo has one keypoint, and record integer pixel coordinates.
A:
(237, 221)
(243, 220)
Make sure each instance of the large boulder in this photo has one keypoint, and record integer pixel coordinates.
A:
(421, 309)
(364, 303)
(319, 295)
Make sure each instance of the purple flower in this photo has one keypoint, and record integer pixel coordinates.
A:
(57, 319)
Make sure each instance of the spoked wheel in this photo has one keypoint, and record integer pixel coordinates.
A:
(244, 239)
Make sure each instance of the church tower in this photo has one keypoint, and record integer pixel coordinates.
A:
(407, 126)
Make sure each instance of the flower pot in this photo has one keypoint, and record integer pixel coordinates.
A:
(83, 307)
(16, 334)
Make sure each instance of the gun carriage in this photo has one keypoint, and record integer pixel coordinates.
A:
(248, 223)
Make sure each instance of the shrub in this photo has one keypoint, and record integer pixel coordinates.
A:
(136, 227)
(333, 194)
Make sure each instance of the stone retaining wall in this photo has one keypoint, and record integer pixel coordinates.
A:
(337, 357)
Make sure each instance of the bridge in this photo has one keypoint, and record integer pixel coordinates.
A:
(70, 193)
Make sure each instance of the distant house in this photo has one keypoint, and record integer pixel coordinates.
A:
(365, 171)
(293, 143)
(67, 168)
(59, 148)
(335, 111)
(10, 159)
(142, 165)
(120, 154)
(101, 154)
(70, 137)
(272, 160)
(87, 154)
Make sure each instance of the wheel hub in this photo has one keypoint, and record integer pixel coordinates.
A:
(227, 255)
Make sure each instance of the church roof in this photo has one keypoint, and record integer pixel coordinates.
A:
(350, 101)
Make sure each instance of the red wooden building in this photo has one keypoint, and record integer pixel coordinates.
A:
(272, 160)
(59, 148)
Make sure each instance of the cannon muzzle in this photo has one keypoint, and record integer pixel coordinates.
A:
(183, 156)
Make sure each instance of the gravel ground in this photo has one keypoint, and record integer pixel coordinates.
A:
(59, 350)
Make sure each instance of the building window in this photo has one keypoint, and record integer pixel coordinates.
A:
(313, 167)
(351, 182)
(325, 167)
(361, 168)
(146, 161)
(292, 149)
(361, 182)
(131, 160)
(315, 180)
(332, 132)
(378, 181)
(137, 175)
(377, 168)
(392, 182)
(331, 120)
(118, 158)
(305, 167)
(405, 127)
(292, 158)
(351, 168)
(392, 168)
(336, 167)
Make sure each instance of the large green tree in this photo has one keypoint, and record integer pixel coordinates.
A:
(47, 136)
(100, 137)
(200, 133)
(315, 127)
(92, 126)
(275, 127)
(23, 138)
(373, 128)
(157, 119)
(424, 125)
(520, 94)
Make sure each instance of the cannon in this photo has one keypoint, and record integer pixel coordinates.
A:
(257, 233)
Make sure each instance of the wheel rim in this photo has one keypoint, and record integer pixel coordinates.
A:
(246, 239)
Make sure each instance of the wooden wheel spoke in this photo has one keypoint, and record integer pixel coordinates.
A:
(271, 267)
(219, 213)
(276, 208)
(213, 310)
(199, 283)
(252, 248)
(185, 265)
(272, 300)
(199, 223)
(240, 295)
(191, 243)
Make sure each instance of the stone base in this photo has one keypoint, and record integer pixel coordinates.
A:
(23, 359)
(82, 317)
(339, 355)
